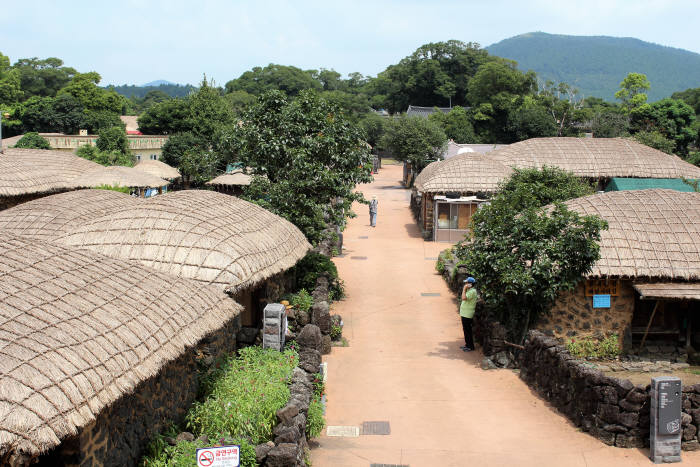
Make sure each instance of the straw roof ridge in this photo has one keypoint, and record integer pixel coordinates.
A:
(595, 158)
(32, 171)
(203, 235)
(652, 233)
(51, 217)
(234, 178)
(158, 168)
(470, 172)
(117, 175)
(79, 330)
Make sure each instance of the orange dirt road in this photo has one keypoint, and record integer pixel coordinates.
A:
(404, 366)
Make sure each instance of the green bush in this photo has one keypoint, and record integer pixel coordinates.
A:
(315, 421)
(592, 348)
(183, 454)
(302, 300)
(336, 331)
(314, 265)
(33, 140)
(121, 189)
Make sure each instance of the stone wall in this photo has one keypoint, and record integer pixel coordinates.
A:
(611, 409)
(573, 315)
(121, 432)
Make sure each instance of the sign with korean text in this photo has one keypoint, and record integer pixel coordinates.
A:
(220, 456)
(601, 301)
(602, 287)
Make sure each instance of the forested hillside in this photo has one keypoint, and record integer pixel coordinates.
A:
(139, 92)
(597, 64)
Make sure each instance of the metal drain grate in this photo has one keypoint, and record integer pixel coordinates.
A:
(364, 237)
(429, 294)
(344, 431)
(388, 465)
(431, 258)
(358, 257)
(375, 428)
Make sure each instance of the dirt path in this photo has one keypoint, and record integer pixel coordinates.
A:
(404, 366)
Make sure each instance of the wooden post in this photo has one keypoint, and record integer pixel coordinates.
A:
(644, 338)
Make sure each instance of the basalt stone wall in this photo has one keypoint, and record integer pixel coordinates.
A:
(119, 435)
(611, 409)
(574, 315)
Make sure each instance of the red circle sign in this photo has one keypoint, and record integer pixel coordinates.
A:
(206, 458)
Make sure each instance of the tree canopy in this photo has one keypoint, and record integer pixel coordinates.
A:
(523, 252)
(33, 140)
(306, 155)
(414, 139)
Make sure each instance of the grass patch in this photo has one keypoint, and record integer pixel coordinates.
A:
(596, 349)
(244, 395)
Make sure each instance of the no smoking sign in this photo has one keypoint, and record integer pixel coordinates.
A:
(220, 456)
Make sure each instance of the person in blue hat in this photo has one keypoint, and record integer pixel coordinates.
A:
(466, 312)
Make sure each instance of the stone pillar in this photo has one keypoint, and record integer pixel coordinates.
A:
(665, 416)
(274, 326)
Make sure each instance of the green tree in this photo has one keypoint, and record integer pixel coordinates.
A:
(414, 139)
(165, 118)
(43, 78)
(456, 124)
(106, 158)
(311, 155)
(672, 118)
(113, 139)
(532, 120)
(654, 139)
(180, 149)
(84, 88)
(373, 127)
(288, 79)
(632, 89)
(33, 140)
(690, 97)
(524, 253)
(10, 90)
(610, 122)
(208, 110)
(239, 101)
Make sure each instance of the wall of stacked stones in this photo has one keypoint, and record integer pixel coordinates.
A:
(121, 432)
(573, 315)
(611, 409)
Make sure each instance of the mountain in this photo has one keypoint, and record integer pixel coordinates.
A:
(597, 64)
(157, 82)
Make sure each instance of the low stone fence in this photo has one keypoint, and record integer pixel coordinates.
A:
(290, 444)
(611, 409)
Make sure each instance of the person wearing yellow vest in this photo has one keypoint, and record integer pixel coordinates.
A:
(466, 312)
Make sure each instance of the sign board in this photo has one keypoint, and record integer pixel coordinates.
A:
(221, 456)
(602, 287)
(669, 407)
(601, 301)
(665, 419)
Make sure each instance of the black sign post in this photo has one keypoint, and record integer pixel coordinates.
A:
(665, 436)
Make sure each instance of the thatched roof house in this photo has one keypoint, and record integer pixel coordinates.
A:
(80, 331)
(28, 173)
(202, 235)
(117, 176)
(595, 158)
(54, 216)
(232, 179)
(466, 173)
(158, 168)
(648, 274)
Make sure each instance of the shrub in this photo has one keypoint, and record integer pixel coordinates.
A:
(591, 348)
(315, 421)
(32, 140)
(314, 265)
(336, 331)
(302, 300)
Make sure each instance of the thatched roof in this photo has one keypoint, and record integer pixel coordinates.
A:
(203, 235)
(117, 175)
(29, 171)
(158, 168)
(470, 172)
(235, 178)
(595, 158)
(669, 291)
(652, 233)
(51, 217)
(79, 330)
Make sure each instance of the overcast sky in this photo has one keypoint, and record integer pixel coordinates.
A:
(134, 42)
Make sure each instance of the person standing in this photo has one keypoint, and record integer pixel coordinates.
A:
(373, 211)
(466, 312)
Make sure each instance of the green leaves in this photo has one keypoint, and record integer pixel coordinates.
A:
(526, 247)
(414, 139)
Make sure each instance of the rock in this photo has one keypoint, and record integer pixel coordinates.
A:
(247, 335)
(686, 419)
(502, 359)
(320, 295)
(689, 433)
(487, 364)
(628, 406)
(300, 376)
(606, 394)
(326, 344)
(310, 360)
(609, 413)
(185, 436)
(282, 455)
(286, 434)
(310, 337)
(637, 396)
(321, 316)
(300, 422)
(171, 441)
(629, 440)
(695, 413)
(287, 413)
(203, 439)
(690, 445)
(261, 451)
(615, 428)
(629, 419)
(302, 317)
